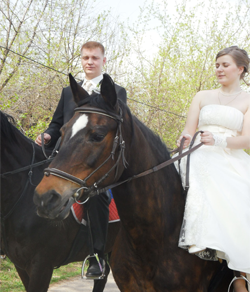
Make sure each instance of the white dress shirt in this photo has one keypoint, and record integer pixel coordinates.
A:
(94, 83)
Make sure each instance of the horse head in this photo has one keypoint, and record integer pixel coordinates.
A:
(91, 153)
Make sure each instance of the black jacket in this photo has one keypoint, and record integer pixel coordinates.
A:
(65, 111)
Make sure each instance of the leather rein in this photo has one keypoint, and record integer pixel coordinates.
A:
(118, 140)
(32, 165)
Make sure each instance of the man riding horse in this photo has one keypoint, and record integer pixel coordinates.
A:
(92, 59)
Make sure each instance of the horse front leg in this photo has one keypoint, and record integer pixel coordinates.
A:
(24, 277)
(99, 285)
(39, 277)
(125, 268)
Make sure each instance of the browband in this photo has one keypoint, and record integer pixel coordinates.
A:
(101, 112)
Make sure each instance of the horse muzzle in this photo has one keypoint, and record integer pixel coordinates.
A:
(51, 205)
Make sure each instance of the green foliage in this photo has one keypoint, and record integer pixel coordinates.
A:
(10, 280)
(190, 38)
(50, 33)
(160, 84)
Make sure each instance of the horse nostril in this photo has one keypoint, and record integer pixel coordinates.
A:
(53, 198)
(48, 200)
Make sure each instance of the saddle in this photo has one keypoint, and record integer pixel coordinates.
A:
(79, 212)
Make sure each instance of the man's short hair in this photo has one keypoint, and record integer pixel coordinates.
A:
(93, 45)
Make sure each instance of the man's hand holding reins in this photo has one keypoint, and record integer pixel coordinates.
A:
(47, 138)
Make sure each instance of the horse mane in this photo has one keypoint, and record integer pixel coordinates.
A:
(154, 139)
(9, 131)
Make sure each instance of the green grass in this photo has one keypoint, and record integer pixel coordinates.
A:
(10, 281)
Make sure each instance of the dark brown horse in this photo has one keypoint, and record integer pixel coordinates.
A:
(93, 155)
(35, 245)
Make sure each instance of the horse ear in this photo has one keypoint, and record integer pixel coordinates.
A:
(108, 91)
(79, 94)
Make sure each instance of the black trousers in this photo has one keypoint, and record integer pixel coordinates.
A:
(98, 215)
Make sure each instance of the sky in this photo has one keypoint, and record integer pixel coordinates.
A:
(129, 9)
(126, 9)
(128, 12)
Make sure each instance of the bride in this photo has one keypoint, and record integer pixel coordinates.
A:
(216, 223)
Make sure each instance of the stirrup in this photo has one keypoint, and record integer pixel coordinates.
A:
(237, 278)
(248, 281)
(95, 255)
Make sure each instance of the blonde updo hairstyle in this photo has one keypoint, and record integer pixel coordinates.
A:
(240, 57)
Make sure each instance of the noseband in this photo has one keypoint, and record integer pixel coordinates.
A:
(117, 140)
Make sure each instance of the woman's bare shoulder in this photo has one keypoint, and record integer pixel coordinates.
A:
(204, 95)
(248, 100)
(246, 97)
(246, 94)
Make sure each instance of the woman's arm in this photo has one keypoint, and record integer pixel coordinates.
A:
(242, 141)
(192, 120)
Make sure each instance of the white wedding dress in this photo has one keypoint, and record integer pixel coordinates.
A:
(217, 212)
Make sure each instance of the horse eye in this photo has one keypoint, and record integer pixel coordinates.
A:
(95, 137)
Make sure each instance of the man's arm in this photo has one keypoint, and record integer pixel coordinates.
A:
(57, 121)
(55, 125)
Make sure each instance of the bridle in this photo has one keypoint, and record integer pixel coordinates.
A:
(118, 140)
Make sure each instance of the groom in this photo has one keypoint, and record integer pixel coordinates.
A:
(93, 59)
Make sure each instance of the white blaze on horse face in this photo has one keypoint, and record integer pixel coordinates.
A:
(79, 124)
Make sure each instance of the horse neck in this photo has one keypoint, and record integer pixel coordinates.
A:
(146, 149)
(16, 154)
(155, 200)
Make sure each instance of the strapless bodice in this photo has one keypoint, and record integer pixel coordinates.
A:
(221, 116)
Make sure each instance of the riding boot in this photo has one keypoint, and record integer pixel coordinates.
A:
(98, 216)
(96, 269)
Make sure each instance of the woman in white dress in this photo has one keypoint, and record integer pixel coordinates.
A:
(216, 221)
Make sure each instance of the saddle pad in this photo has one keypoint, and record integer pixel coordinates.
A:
(78, 212)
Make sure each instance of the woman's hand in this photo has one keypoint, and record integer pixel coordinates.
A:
(207, 138)
(187, 141)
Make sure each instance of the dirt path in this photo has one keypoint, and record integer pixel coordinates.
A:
(77, 284)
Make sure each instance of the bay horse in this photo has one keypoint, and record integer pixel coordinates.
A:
(104, 145)
(35, 245)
